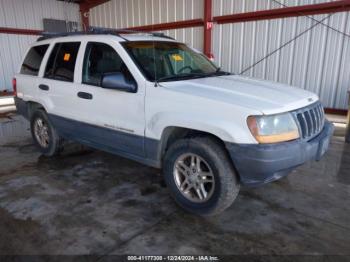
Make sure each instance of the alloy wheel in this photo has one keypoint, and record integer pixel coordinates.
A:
(41, 132)
(194, 178)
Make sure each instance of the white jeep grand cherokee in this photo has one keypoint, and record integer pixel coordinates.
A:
(157, 101)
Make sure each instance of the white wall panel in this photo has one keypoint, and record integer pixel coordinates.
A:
(317, 61)
(26, 14)
(12, 50)
(131, 13)
(227, 7)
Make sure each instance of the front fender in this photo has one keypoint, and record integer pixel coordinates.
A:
(233, 131)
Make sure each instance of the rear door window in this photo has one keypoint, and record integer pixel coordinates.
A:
(32, 61)
(61, 63)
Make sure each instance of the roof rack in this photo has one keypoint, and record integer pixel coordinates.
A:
(101, 31)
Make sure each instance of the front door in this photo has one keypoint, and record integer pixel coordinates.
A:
(115, 119)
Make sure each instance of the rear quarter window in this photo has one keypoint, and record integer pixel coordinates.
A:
(33, 59)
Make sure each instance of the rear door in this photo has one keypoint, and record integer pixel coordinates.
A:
(116, 119)
(57, 87)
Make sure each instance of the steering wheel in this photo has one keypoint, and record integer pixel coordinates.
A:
(184, 68)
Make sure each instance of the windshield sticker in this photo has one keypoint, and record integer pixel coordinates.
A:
(66, 57)
(177, 57)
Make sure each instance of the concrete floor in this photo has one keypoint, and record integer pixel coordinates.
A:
(90, 202)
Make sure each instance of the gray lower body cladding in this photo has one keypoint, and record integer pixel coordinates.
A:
(260, 164)
(138, 148)
(256, 164)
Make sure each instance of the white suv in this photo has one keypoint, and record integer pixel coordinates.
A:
(157, 101)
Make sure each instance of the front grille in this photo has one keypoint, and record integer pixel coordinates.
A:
(310, 120)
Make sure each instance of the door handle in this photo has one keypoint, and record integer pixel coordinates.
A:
(44, 87)
(85, 95)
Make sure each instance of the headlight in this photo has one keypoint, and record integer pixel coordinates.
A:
(273, 128)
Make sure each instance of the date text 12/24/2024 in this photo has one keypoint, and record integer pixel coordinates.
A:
(173, 258)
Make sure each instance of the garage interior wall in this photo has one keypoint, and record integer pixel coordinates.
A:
(316, 61)
(26, 14)
(133, 13)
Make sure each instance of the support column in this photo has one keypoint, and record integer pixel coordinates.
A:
(84, 14)
(208, 25)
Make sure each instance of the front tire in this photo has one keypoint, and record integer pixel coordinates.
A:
(44, 134)
(200, 175)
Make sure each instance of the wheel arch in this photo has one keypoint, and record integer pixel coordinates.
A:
(173, 133)
(33, 106)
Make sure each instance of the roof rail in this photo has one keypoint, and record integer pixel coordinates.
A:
(101, 31)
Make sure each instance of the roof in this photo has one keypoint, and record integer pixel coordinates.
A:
(98, 38)
(126, 35)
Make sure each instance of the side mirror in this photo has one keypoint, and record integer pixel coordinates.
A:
(118, 81)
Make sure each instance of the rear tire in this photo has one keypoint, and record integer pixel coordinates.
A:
(44, 134)
(200, 175)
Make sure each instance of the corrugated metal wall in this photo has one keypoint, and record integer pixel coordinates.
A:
(227, 7)
(132, 13)
(26, 14)
(12, 49)
(317, 61)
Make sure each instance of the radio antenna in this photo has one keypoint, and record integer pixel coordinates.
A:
(154, 53)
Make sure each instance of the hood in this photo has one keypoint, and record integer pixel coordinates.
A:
(264, 96)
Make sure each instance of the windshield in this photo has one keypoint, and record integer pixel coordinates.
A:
(169, 61)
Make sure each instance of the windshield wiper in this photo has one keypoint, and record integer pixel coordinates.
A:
(218, 72)
(179, 76)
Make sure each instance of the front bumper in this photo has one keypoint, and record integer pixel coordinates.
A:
(260, 164)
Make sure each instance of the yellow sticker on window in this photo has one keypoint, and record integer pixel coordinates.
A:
(66, 57)
(177, 57)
